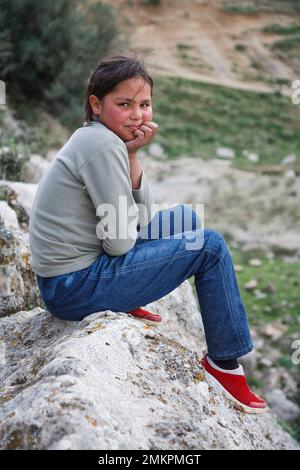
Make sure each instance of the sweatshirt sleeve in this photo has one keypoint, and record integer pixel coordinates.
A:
(145, 197)
(106, 176)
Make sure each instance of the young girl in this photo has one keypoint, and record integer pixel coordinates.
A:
(91, 230)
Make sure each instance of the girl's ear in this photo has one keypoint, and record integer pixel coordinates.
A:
(95, 104)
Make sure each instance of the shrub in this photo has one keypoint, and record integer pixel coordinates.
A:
(150, 2)
(12, 158)
(48, 49)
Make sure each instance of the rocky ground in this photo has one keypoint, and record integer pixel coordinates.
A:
(112, 382)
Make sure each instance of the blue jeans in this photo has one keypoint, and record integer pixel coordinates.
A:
(151, 269)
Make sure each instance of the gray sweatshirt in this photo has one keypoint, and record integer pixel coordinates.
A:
(92, 168)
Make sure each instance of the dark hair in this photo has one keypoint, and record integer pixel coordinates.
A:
(109, 72)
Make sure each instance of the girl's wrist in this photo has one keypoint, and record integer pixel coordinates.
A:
(133, 155)
(136, 171)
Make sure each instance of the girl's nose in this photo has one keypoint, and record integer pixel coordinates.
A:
(137, 113)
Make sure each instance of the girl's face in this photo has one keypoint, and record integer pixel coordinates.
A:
(125, 108)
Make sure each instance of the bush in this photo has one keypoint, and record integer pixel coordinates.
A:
(240, 47)
(150, 2)
(12, 158)
(286, 44)
(275, 28)
(48, 49)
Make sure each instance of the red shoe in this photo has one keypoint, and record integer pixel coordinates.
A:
(234, 386)
(151, 318)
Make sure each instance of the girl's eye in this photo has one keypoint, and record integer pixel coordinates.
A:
(144, 104)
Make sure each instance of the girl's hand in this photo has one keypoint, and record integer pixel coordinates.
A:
(143, 136)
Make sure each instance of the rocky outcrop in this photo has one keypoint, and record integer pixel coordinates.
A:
(19, 196)
(112, 382)
(19, 289)
(34, 168)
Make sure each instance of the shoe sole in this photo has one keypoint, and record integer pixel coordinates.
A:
(147, 322)
(237, 404)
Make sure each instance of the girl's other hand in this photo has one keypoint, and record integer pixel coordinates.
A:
(143, 136)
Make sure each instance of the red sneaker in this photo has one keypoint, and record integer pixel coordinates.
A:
(148, 317)
(234, 386)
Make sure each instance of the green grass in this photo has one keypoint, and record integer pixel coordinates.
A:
(283, 303)
(286, 44)
(150, 2)
(239, 9)
(196, 118)
(187, 54)
(286, 49)
(240, 47)
(291, 428)
(275, 28)
(256, 6)
(284, 278)
(182, 45)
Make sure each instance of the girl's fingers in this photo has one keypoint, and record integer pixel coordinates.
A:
(151, 124)
(145, 133)
(145, 128)
(150, 130)
(138, 133)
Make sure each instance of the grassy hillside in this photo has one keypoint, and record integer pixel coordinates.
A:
(196, 118)
(276, 296)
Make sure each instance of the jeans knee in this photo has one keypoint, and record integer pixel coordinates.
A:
(216, 241)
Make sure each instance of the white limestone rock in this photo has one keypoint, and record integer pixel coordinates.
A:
(8, 216)
(34, 168)
(20, 197)
(18, 287)
(112, 382)
(156, 150)
(225, 152)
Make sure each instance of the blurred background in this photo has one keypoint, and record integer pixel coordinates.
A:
(229, 137)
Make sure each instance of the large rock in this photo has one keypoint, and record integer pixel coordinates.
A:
(19, 197)
(8, 216)
(18, 286)
(112, 382)
(34, 168)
